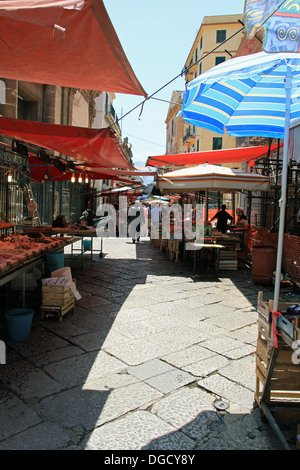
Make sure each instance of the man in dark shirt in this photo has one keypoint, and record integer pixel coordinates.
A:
(223, 217)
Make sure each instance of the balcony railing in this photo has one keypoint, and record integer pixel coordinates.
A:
(189, 136)
(112, 115)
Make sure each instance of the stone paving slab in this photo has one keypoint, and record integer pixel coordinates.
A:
(28, 381)
(170, 381)
(16, 416)
(53, 438)
(96, 404)
(140, 430)
(232, 391)
(150, 369)
(74, 371)
(136, 351)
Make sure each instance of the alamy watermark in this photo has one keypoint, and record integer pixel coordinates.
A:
(296, 353)
(175, 222)
(2, 352)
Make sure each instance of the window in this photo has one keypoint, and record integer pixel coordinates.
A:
(198, 145)
(217, 143)
(221, 35)
(200, 68)
(201, 42)
(219, 60)
(27, 108)
(196, 54)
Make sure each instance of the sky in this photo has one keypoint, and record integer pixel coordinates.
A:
(156, 36)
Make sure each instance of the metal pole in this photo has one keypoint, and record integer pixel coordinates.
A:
(282, 201)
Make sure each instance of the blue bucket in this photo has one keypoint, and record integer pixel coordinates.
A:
(19, 321)
(55, 261)
(87, 245)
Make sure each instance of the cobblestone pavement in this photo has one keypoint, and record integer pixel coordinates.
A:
(141, 362)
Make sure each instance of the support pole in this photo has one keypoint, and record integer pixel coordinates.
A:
(282, 201)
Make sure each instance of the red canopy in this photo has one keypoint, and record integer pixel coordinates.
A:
(47, 172)
(99, 146)
(241, 154)
(64, 42)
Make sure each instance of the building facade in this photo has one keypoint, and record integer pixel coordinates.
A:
(174, 124)
(217, 40)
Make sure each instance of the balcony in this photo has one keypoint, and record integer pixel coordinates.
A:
(112, 119)
(189, 137)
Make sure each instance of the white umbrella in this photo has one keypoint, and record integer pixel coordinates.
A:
(211, 177)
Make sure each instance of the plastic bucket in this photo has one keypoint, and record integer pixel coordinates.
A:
(55, 261)
(87, 245)
(263, 264)
(19, 321)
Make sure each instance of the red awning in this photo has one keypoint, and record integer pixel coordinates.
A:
(98, 146)
(241, 154)
(67, 43)
(47, 172)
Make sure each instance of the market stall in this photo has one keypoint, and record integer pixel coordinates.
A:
(213, 178)
(223, 249)
(20, 253)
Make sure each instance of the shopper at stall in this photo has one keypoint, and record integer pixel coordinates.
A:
(241, 217)
(222, 216)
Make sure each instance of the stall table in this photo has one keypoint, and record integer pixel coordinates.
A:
(80, 234)
(209, 246)
(7, 227)
(224, 259)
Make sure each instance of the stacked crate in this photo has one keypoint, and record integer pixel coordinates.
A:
(285, 379)
(57, 300)
(228, 259)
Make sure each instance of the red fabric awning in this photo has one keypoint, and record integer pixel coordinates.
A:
(241, 154)
(66, 43)
(98, 146)
(47, 172)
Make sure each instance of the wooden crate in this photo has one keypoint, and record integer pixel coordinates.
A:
(56, 296)
(48, 311)
(56, 301)
(173, 249)
(285, 380)
(264, 310)
(228, 259)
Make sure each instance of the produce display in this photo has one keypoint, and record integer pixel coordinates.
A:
(16, 248)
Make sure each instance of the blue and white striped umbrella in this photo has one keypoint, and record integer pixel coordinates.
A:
(254, 95)
(246, 95)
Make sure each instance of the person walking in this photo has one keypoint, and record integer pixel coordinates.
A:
(222, 216)
(135, 230)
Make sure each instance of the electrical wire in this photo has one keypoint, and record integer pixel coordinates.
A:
(177, 76)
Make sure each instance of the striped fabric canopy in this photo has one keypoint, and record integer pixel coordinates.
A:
(246, 95)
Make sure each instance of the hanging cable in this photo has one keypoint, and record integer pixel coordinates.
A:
(177, 76)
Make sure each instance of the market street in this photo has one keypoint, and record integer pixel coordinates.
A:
(147, 361)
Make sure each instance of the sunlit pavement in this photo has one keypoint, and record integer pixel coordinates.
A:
(142, 363)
